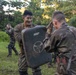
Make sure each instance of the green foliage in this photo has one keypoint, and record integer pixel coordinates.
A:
(73, 21)
(34, 7)
(3, 36)
(39, 14)
(3, 23)
(5, 3)
(8, 66)
(45, 21)
(13, 20)
(17, 18)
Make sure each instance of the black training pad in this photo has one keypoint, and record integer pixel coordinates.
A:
(32, 41)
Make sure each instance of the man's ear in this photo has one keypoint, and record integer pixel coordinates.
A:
(55, 22)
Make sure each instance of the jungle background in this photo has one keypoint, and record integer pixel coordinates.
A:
(42, 12)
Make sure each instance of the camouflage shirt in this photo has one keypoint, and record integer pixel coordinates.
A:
(10, 32)
(62, 39)
(18, 36)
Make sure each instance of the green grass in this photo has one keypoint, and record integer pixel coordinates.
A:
(9, 65)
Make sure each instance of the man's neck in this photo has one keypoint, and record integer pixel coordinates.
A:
(63, 22)
(26, 26)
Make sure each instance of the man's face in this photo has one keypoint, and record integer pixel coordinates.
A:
(8, 26)
(55, 23)
(27, 20)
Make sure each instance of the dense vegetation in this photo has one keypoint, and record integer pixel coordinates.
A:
(3, 37)
(41, 15)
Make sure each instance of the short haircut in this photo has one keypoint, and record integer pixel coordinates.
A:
(9, 24)
(27, 12)
(59, 16)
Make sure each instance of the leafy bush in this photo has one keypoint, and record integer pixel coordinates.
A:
(73, 21)
(3, 37)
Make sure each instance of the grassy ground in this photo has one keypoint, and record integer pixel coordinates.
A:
(8, 65)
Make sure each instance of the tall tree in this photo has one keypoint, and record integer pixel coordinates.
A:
(34, 6)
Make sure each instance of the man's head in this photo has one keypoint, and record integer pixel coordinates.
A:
(58, 18)
(27, 17)
(8, 26)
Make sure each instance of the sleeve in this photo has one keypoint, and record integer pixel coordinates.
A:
(17, 34)
(52, 43)
(58, 43)
(9, 32)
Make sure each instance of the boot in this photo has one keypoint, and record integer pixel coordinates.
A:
(9, 51)
(23, 73)
(16, 53)
(37, 71)
(14, 49)
(9, 55)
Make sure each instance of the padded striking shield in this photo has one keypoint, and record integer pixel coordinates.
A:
(33, 46)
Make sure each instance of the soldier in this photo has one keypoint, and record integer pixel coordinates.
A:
(27, 18)
(11, 46)
(63, 41)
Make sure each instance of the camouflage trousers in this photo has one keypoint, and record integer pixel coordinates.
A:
(11, 46)
(23, 66)
(62, 67)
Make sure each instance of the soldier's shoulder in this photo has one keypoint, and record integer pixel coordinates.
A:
(57, 31)
(71, 27)
(19, 25)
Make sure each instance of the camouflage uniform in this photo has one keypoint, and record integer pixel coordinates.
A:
(63, 42)
(22, 59)
(50, 29)
(11, 45)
